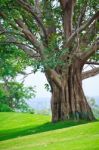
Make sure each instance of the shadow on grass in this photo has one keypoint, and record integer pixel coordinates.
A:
(18, 132)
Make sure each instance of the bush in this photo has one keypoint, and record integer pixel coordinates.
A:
(5, 108)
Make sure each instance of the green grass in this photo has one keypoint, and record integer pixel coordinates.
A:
(13, 125)
(15, 130)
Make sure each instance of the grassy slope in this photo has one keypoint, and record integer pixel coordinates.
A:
(81, 137)
(20, 124)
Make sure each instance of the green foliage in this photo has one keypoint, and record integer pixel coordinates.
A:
(12, 61)
(95, 57)
(5, 2)
(5, 108)
(54, 59)
(52, 20)
(14, 95)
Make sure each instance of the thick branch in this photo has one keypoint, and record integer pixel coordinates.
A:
(71, 38)
(30, 9)
(55, 77)
(12, 40)
(28, 51)
(30, 36)
(90, 73)
(63, 3)
(67, 7)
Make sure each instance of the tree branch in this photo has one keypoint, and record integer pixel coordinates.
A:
(55, 77)
(84, 26)
(29, 51)
(25, 75)
(92, 63)
(67, 7)
(90, 73)
(63, 3)
(82, 13)
(92, 49)
(4, 16)
(30, 9)
(39, 47)
(10, 32)
(12, 40)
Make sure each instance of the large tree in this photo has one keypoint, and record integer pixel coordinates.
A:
(62, 35)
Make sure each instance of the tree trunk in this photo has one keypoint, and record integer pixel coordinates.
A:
(69, 102)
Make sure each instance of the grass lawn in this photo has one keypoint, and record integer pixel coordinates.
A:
(15, 130)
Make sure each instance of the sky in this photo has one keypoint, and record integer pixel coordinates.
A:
(91, 86)
(38, 80)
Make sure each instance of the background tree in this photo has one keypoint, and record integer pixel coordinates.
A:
(94, 106)
(13, 94)
(62, 35)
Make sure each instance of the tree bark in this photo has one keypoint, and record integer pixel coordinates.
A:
(69, 102)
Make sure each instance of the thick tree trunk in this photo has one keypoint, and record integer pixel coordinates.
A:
(70, 101)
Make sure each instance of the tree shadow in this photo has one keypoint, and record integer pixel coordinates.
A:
(29, 130)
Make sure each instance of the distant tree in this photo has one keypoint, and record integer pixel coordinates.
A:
(94, 106)
(61, 36)
(13, 95)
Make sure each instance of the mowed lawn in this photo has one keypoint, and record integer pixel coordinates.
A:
(20, 131)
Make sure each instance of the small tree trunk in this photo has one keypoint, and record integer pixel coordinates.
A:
(70, 101)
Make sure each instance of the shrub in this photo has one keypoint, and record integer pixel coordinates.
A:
(5, 108)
